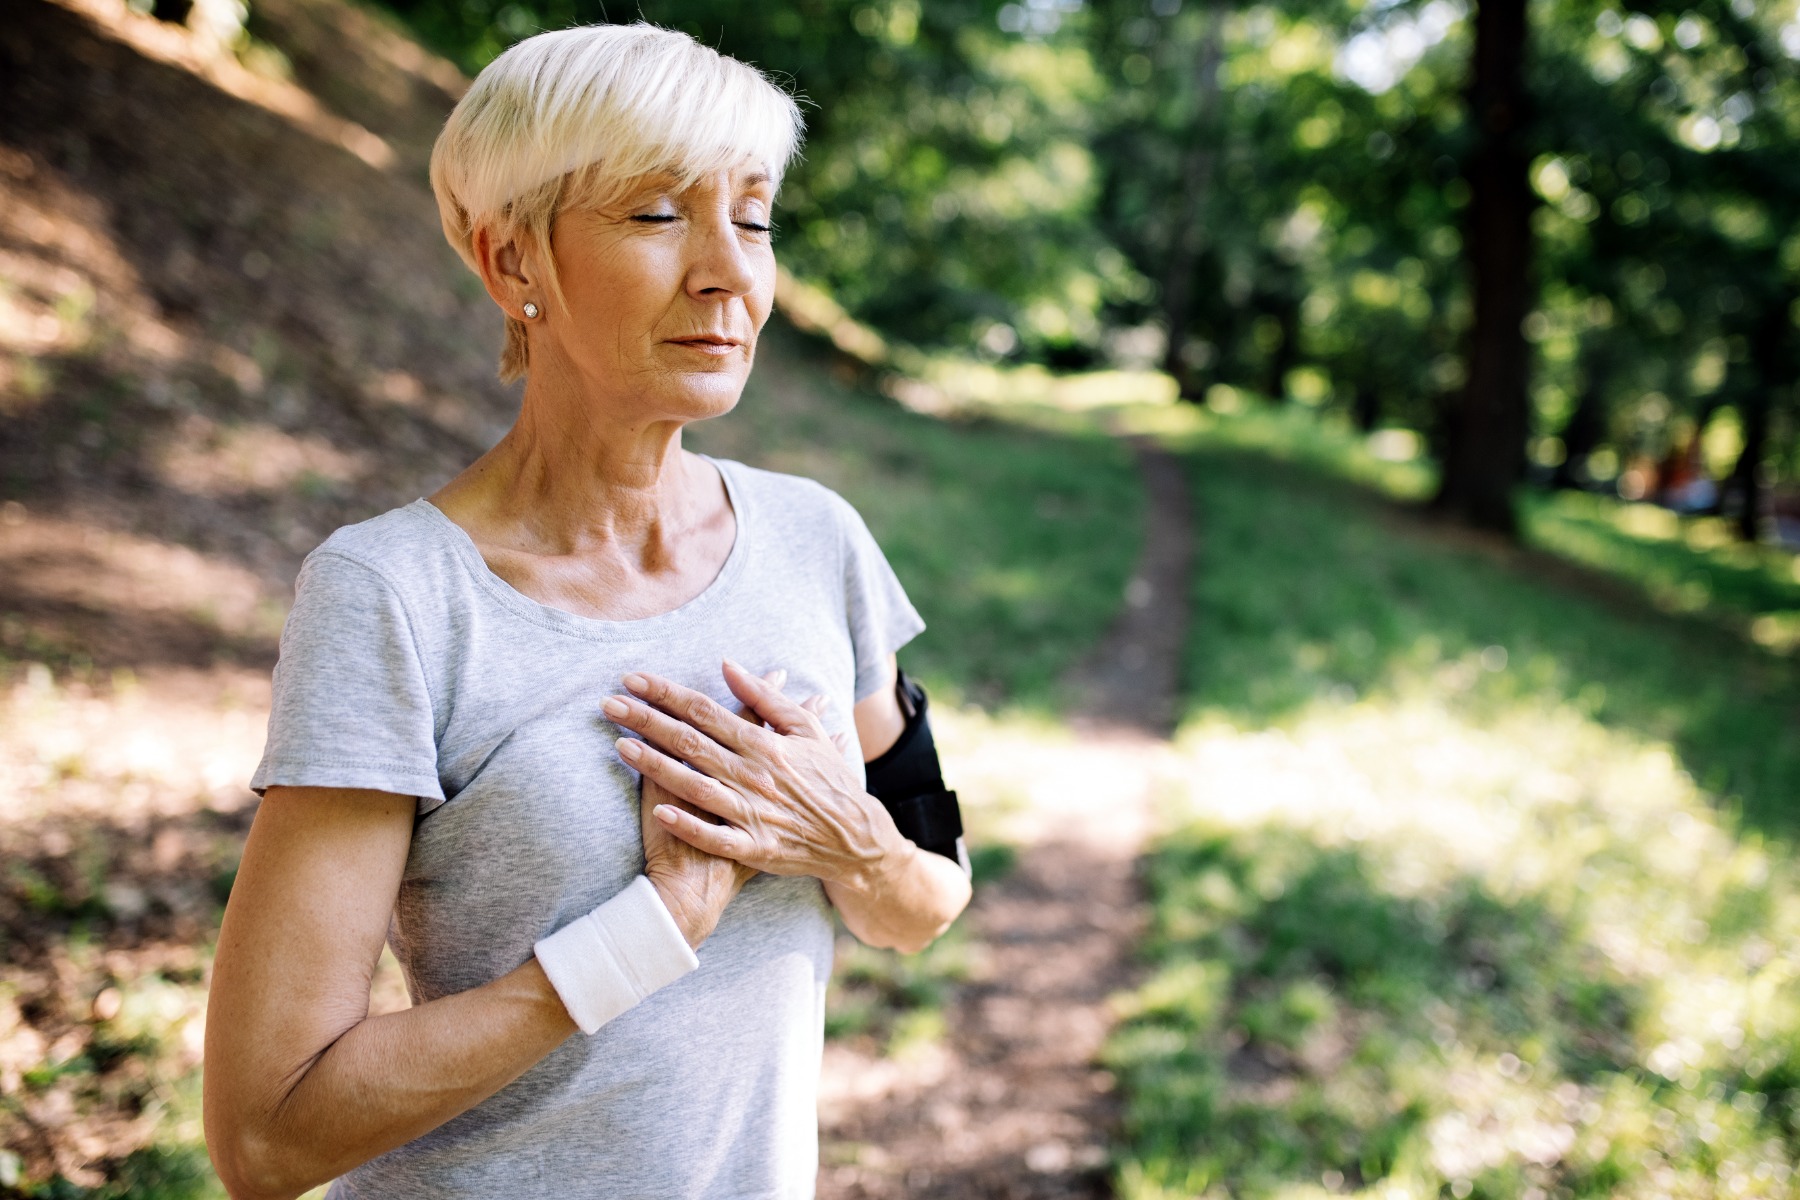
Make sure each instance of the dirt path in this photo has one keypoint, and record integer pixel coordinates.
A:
(1012, 1105)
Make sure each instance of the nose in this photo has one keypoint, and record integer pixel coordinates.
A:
(720, 267)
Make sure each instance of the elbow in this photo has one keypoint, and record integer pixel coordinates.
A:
(915, 945)
(952, 900)
(251, 1164)
(913, 941)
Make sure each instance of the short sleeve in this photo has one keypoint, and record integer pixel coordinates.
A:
(881, 618)
(351, 707)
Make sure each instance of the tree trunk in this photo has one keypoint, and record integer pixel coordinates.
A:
(1766, 345)
(1366, 408)
(1286, 356)
(1486, 458)
(1196, 181)
(1746, 476)
(1586, 428)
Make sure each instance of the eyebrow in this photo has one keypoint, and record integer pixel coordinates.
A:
(753, 180)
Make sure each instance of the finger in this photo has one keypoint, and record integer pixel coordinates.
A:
(841, 741)
(696, 709)
(670, 735)
(708, 795)
(775, 679)
(721, 841)
(783, 715)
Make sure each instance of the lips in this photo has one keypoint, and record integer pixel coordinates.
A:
(707, 339)
(711, 345)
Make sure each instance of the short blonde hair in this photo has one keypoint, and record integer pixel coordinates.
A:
(572, 117)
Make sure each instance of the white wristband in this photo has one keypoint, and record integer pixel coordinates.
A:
(607, 961)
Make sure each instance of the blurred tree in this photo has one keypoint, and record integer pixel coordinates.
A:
(1568, 263)
(945, 185)
(1486, 453)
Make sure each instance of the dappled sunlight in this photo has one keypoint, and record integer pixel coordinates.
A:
(1311, 588)
(1406, 950)
(1473, 885)
(122, 814)
(1683, 564)
(1535, 804)
(268, 89)
(223, 460)
(83, 599)
(1024, 776)
(123, 753)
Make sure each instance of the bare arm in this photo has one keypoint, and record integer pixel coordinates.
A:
(301, 1083)
(923, 883)
(790, 804)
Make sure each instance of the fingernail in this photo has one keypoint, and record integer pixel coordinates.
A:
(636, 682)
(732, 663)
(615, 707)
(664, 813)
(780, 678)
(629, 748)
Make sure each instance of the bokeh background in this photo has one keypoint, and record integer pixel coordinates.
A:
(1444, 355)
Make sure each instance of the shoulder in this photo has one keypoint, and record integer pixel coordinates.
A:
(403, 555)
(385, 544)
(791, 501)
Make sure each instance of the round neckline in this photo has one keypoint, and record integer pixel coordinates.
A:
(597, 628)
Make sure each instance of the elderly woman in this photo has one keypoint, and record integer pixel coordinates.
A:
(511, 735)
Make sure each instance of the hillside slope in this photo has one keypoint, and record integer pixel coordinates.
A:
(226, 303)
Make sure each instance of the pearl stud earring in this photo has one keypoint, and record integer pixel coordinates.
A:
(531, 311)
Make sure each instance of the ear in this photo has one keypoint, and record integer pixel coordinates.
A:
(509, 271)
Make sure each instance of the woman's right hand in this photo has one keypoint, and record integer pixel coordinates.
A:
(695, 886)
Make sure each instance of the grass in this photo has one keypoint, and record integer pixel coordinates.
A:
(893, 1003)
(1480, 882)
(1690, 565)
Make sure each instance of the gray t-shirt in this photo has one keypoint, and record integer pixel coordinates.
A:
(407, 666)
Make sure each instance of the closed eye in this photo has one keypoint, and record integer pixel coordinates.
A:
(755, 228)
(656, 218)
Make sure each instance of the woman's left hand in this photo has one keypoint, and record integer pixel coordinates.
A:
(790, 803)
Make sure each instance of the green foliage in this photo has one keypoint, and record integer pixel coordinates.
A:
(1049, 182)
(159, 1172)
(946, 179)
(1442, 912)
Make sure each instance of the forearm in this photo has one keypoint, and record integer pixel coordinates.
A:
(904, 902)
(387, 1080)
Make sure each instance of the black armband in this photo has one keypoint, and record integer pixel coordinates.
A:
(910, 784)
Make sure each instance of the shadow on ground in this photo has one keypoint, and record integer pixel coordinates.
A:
(1311, 590)
(1324, 1020)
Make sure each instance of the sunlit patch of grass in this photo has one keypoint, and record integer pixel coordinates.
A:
(1407, 951)
(1684, 564)
(1478, 888)
(1390, 462)
(1303, 592)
